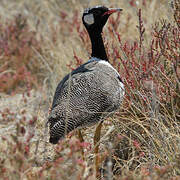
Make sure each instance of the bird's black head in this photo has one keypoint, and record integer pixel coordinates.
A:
(96, 17)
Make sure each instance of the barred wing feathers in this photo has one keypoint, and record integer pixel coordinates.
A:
(83, 98)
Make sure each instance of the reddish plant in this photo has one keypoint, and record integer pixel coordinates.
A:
(16, 42)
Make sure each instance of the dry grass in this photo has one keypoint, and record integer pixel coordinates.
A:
(43, 40)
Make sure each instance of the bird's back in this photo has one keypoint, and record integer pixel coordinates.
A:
(84, 97)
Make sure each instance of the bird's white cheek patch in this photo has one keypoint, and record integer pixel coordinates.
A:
(89, 19)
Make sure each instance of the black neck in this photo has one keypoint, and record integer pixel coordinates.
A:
(98, 49)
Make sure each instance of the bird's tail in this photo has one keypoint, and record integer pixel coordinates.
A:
(54, 140)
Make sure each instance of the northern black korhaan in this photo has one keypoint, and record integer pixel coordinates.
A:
(91, 92)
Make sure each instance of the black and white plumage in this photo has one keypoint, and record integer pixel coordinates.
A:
(92, 91)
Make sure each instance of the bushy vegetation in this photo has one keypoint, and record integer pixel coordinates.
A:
(141, 141)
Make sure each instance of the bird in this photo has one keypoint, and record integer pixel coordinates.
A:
(90, 93)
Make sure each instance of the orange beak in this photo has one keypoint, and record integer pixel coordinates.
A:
(112, 10)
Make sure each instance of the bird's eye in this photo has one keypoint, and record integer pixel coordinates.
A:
(97, 12)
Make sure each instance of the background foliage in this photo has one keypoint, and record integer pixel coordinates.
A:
(41, 41)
